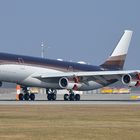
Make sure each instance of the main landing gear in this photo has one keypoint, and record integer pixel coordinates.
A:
(51, 94)
(71, 96)
(26, 95)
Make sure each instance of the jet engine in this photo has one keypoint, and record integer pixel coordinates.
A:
(132, 80)
(66, 83)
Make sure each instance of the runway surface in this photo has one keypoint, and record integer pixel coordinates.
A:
(41, 99)
(61, 102)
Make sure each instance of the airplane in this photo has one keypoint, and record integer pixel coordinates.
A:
(56, 75)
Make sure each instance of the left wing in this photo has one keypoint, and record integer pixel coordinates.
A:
(84, 74)
(65, 79)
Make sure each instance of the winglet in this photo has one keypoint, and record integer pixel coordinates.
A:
(117, 58)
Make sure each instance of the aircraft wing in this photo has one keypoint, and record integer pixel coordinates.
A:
(84, 74)
(70, 79)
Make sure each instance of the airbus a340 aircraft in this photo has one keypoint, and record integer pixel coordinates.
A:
(55, 75)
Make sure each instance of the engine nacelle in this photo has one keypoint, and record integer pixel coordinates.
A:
(131, 80)
(65, 83)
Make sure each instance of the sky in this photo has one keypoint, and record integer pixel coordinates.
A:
(73, 30)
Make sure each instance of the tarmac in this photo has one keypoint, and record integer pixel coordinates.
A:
(86, 99)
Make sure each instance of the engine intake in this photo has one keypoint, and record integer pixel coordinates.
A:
(126, 79)
(131, 80)
(63, 82)
(66, 84)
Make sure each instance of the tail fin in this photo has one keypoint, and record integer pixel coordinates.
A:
(117, 58)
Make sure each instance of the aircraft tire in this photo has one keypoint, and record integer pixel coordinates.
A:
(77, 97)
(71, 97)
(53, 96)
(26, 96)
(20, 97)
(49, 97)
(32, 97)
(66, 97)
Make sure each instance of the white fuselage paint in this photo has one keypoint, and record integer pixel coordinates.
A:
(24, 75)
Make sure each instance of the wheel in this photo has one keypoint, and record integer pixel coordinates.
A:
(26, 96)
(49, 96)
(20, 96)
(66, 97)
(77, 97)
(71, 97)
(32, 97)
(53, 96)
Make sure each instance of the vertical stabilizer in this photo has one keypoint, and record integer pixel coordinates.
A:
(117, 58)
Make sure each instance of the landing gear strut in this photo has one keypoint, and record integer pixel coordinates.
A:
(26, 95)
(51, 94)
(71, 96)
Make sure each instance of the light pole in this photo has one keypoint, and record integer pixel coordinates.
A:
(43, 49)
